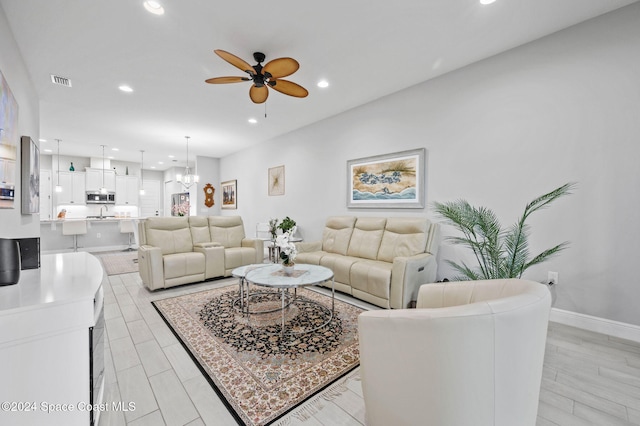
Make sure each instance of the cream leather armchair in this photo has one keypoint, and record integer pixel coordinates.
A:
(471, 354)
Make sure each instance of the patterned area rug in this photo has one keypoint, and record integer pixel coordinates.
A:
(257, 372)
(121, 262)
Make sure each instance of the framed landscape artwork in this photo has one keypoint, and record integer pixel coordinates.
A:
(276, 180)
(30, 176)
(8, 145)
(394, 180)
(229, 194)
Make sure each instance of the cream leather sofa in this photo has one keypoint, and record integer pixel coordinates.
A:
(181, 250)
(471, 354)
(382, 261)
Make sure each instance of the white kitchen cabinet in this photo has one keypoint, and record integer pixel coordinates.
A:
(73, 188)
(127, 190)
(46, 195)
(8, 171)
(94, 179)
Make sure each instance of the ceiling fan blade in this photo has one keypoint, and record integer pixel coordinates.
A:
(289, 88)
(235, 61)
(281, 67)
(224, 80)
(258, 94)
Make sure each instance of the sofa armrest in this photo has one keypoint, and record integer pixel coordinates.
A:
(213, 259)
(309, 247)
(258, 245)
(407, 275)
(151, 266)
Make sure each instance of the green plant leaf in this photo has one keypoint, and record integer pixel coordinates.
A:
(499, 253)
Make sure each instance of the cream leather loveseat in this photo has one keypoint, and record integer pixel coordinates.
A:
(382, 261)
(181, 250)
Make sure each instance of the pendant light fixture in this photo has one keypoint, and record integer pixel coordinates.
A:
(141, 172)
(103, 189)
(187, 179)
(58, 187)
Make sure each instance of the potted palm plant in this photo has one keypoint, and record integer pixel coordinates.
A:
(500, 253)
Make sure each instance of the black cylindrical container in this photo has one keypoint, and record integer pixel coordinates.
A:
(9, 261)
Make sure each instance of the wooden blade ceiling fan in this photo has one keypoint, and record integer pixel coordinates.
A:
(269, 75)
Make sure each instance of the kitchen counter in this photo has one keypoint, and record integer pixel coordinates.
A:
(62, 279)
(102, 235)
(90, 219)
(44, 340)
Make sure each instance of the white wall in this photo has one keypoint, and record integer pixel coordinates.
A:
(12, 223)
(498, 133)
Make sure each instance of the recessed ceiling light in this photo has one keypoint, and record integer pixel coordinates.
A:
(115, 149)
(160, 162)
(154, 7)
(42, 140)
(172, 156)
(48, 150)
(323, 83)
(252, 121)
(487, 1)
(125, 88)
(152, 167)
(110, 157)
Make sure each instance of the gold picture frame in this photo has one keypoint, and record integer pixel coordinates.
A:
(276, 180)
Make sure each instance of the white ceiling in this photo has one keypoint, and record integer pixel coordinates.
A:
(366, 49)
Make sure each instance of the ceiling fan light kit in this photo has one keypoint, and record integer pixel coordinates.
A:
(263, 77)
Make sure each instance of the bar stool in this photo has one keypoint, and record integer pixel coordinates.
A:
(75, 228)
(127, 227)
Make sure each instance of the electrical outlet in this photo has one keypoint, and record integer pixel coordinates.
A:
(552, 278)
(98, 235)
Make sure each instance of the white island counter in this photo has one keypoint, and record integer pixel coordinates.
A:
(45, 341)
(102, 235)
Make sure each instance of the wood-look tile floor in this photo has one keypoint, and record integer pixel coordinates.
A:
(588, 378)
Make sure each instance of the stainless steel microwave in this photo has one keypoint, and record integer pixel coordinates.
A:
(7, 192)
(96, 197)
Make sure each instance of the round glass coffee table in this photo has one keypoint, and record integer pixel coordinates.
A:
(303, 275)
(240, 304)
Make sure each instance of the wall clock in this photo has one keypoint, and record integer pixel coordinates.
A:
(276, 180)
(209, 190)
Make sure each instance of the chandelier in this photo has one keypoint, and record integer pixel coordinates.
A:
(187, 179)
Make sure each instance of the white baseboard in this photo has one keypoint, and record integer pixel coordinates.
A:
(595, 324)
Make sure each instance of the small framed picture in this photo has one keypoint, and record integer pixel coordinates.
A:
(30, 176)
(229, 195)
(276, 180)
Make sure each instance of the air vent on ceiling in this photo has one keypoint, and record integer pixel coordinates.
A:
(63, 81)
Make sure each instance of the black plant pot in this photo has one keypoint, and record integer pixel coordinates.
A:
(9, 262)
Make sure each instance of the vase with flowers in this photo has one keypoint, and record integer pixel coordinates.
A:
(288, 250)
(181, 209)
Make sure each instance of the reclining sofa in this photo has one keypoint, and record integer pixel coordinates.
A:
(382, 261)
(181, 250)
